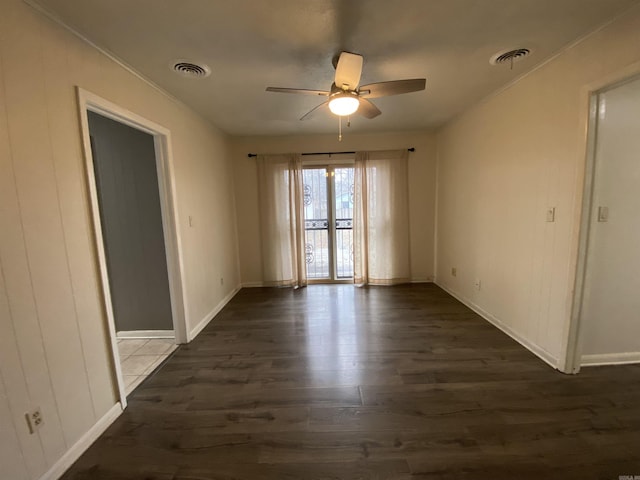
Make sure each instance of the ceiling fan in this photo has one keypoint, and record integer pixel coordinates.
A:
(346, 97)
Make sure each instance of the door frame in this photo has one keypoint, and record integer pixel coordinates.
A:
(88, 101)
(573, 354)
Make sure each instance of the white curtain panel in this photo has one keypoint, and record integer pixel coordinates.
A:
(381, 218)
(282, 220)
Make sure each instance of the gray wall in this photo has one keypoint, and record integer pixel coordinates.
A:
(127, 180)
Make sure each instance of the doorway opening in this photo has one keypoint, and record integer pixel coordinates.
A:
(328, 217)
(129, 176)
(605, 328)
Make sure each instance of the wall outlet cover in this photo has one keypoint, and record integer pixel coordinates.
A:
(35, 420)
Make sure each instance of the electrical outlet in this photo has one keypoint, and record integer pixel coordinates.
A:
(477, 284)
(454, 271)
(35, 420)
(191, 222)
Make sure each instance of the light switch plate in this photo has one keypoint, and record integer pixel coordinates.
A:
(551, 214)
(603, 214)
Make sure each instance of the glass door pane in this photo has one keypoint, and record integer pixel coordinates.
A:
(343, 188)
(316, 223)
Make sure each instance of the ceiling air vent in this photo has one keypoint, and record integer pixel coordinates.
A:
(192, 70)
(509, 56)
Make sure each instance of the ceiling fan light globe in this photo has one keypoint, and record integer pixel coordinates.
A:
(344, 104)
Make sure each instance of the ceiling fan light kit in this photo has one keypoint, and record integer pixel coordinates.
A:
(346, 97)
(344, 103)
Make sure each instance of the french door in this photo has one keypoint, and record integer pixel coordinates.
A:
(328, 218)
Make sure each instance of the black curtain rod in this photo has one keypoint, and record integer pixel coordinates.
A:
(251, 155)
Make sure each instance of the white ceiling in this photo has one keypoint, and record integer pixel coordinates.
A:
(252, 44)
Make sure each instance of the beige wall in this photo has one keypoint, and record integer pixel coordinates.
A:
(421, 190)
(500, 165)
(53, 341)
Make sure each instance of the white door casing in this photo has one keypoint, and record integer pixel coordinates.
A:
(162, 141)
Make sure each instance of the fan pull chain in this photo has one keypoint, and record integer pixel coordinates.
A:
(348, 121)
(339, 129)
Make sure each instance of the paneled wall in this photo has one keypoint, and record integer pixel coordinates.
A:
(422, 190)
(54, 351)
(501, 165)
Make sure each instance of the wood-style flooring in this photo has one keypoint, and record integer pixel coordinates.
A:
(344, 383)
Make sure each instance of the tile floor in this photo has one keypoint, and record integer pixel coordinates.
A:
(141, 356)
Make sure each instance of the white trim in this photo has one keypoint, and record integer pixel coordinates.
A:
(532, 347)
(172, 238)
(571, 362)
(610, 359)
(78, 448)
(253, 285)
(429, 279)
(146, 334)
(211, 315)
(88, 101)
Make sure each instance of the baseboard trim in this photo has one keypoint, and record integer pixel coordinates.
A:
(532, 347)
(609, 359)
(78, 448)
(210, 316)
(421, 280)
(253, 285)
(146, 334)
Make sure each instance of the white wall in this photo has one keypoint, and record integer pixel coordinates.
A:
(53, 341)
(421, 190)
(500, 165)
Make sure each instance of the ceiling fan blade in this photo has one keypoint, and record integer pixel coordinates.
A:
(394, 87)
(311, 113)
(302, 91)
(348, 70)
(368, 109)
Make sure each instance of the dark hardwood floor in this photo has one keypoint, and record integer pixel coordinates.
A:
(337, 382)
